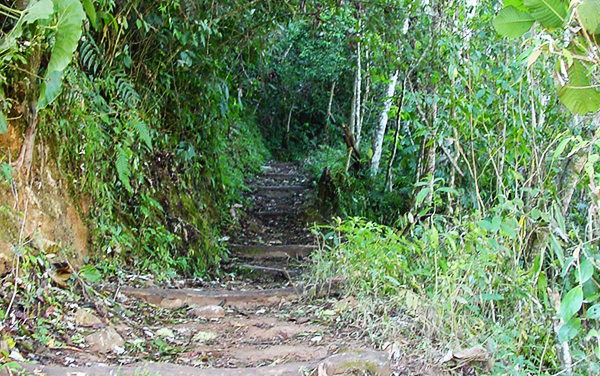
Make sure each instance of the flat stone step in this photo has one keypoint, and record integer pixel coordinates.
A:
(283, 175)
(175, 298)
(275, 214)
(271, 252)
(278, 189)
(267, 270)
(347, 363)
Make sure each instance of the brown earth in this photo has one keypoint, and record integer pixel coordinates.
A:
(260, 319)
(38, 210)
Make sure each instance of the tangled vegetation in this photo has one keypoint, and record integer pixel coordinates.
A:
(461, 163)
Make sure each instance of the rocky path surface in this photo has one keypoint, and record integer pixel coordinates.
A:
(262, 323)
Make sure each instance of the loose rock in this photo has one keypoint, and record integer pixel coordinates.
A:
(207, 312)
(105, 340)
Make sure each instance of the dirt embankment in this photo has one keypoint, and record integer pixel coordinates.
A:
(35, 207)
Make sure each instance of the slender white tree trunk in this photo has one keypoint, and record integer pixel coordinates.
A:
(378, 142)
(355, 106)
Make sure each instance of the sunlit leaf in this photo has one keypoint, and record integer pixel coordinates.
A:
(68, 32)
(561, 147)
(40, 10)
(90, 273)
(512, 23)
(578, 95)
(569, 329)
(586, 270)
(589, 14)
(550, 13)
(593, 312)
(421, 195)
(50, 89)
(519, 4)
(508, 230)
(571, 303)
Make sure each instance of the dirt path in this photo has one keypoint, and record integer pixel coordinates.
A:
(258, 324)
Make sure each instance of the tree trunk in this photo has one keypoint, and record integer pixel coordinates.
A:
(328, 117)
(388, 175)
(25, 158)
(355, 109)
(362, 109)
(380, 133)
(355, 105)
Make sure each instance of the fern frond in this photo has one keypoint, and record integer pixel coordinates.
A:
(142, 129)
(123, 170)
(91, 56)
(125, 89)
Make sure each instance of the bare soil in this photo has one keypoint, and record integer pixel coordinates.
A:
(260, 319)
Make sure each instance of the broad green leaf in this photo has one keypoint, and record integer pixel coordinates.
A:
(492, 297)
(561, 147)
(486, 225)
(68, 32)
(7, 172)
(519, 4)
(50, 89)
(569, 329)
(571, 303)
(40, 10)
(578, 95)
(512, 23)
(586, 270)
(593, 312)
(550, 13)
(434, 239)
(496, 222)
(90, 273)
(589, 14)
(508, 229)
(421, 195)
(91, 12)
(589, 165)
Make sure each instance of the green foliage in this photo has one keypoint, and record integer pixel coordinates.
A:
(577, 95)
(577, 88)
(512, 22)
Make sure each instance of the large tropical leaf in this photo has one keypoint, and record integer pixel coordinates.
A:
(550, 13)
(68, 32)
(39, 10)
(511, 22)
(578, 94)
(51, 87)
(519, 4)
(589, 14)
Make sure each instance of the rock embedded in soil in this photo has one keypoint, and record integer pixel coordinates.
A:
(105, 340)
(207, 312)
(176, 298)
(371, 363)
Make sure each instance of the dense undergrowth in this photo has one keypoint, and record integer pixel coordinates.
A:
(479, 220)
(153, 146)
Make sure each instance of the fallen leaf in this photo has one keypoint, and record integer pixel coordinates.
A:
(165, 332)
(204, 336)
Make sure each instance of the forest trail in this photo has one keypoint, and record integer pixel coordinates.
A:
(262, 323)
